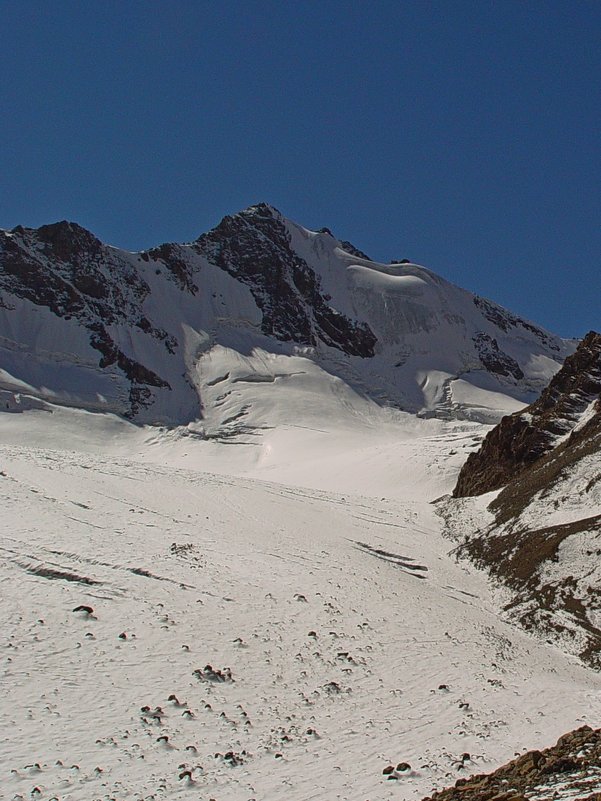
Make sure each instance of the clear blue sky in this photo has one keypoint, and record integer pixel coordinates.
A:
(463, 135)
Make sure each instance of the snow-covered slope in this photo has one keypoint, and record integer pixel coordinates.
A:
(149, 335)
(354, 641)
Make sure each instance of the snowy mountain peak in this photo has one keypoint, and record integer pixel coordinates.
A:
(262, 210)
(101, 328)
(254, 213)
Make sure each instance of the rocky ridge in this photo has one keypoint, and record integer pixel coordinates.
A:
(571, 769)
(524, 437)
(538, 534)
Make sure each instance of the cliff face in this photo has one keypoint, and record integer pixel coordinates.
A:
(255, 247)
(521, 439)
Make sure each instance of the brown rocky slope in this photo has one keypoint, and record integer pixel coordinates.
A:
(571, 769)
(521, 439)
(539, 536)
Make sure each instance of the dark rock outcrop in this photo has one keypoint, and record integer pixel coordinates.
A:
(350, 248)
(493, 359)
(569, 769)
(506, 321)
(254, 247)
(527, 547)
(177, 263)
(521, 439)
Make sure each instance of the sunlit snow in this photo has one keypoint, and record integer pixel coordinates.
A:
(305, 556)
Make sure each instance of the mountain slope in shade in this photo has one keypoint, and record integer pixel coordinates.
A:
(89, 325)
(540, 533)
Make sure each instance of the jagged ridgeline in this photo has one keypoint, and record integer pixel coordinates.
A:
(89, 325)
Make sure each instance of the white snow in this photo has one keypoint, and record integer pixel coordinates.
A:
(307, 557)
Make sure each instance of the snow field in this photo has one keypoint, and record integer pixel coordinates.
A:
(354, 641)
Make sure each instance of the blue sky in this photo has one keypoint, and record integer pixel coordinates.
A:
(462, 135)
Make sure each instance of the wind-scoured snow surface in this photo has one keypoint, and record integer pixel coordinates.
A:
(91, 326)
(304, 563)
